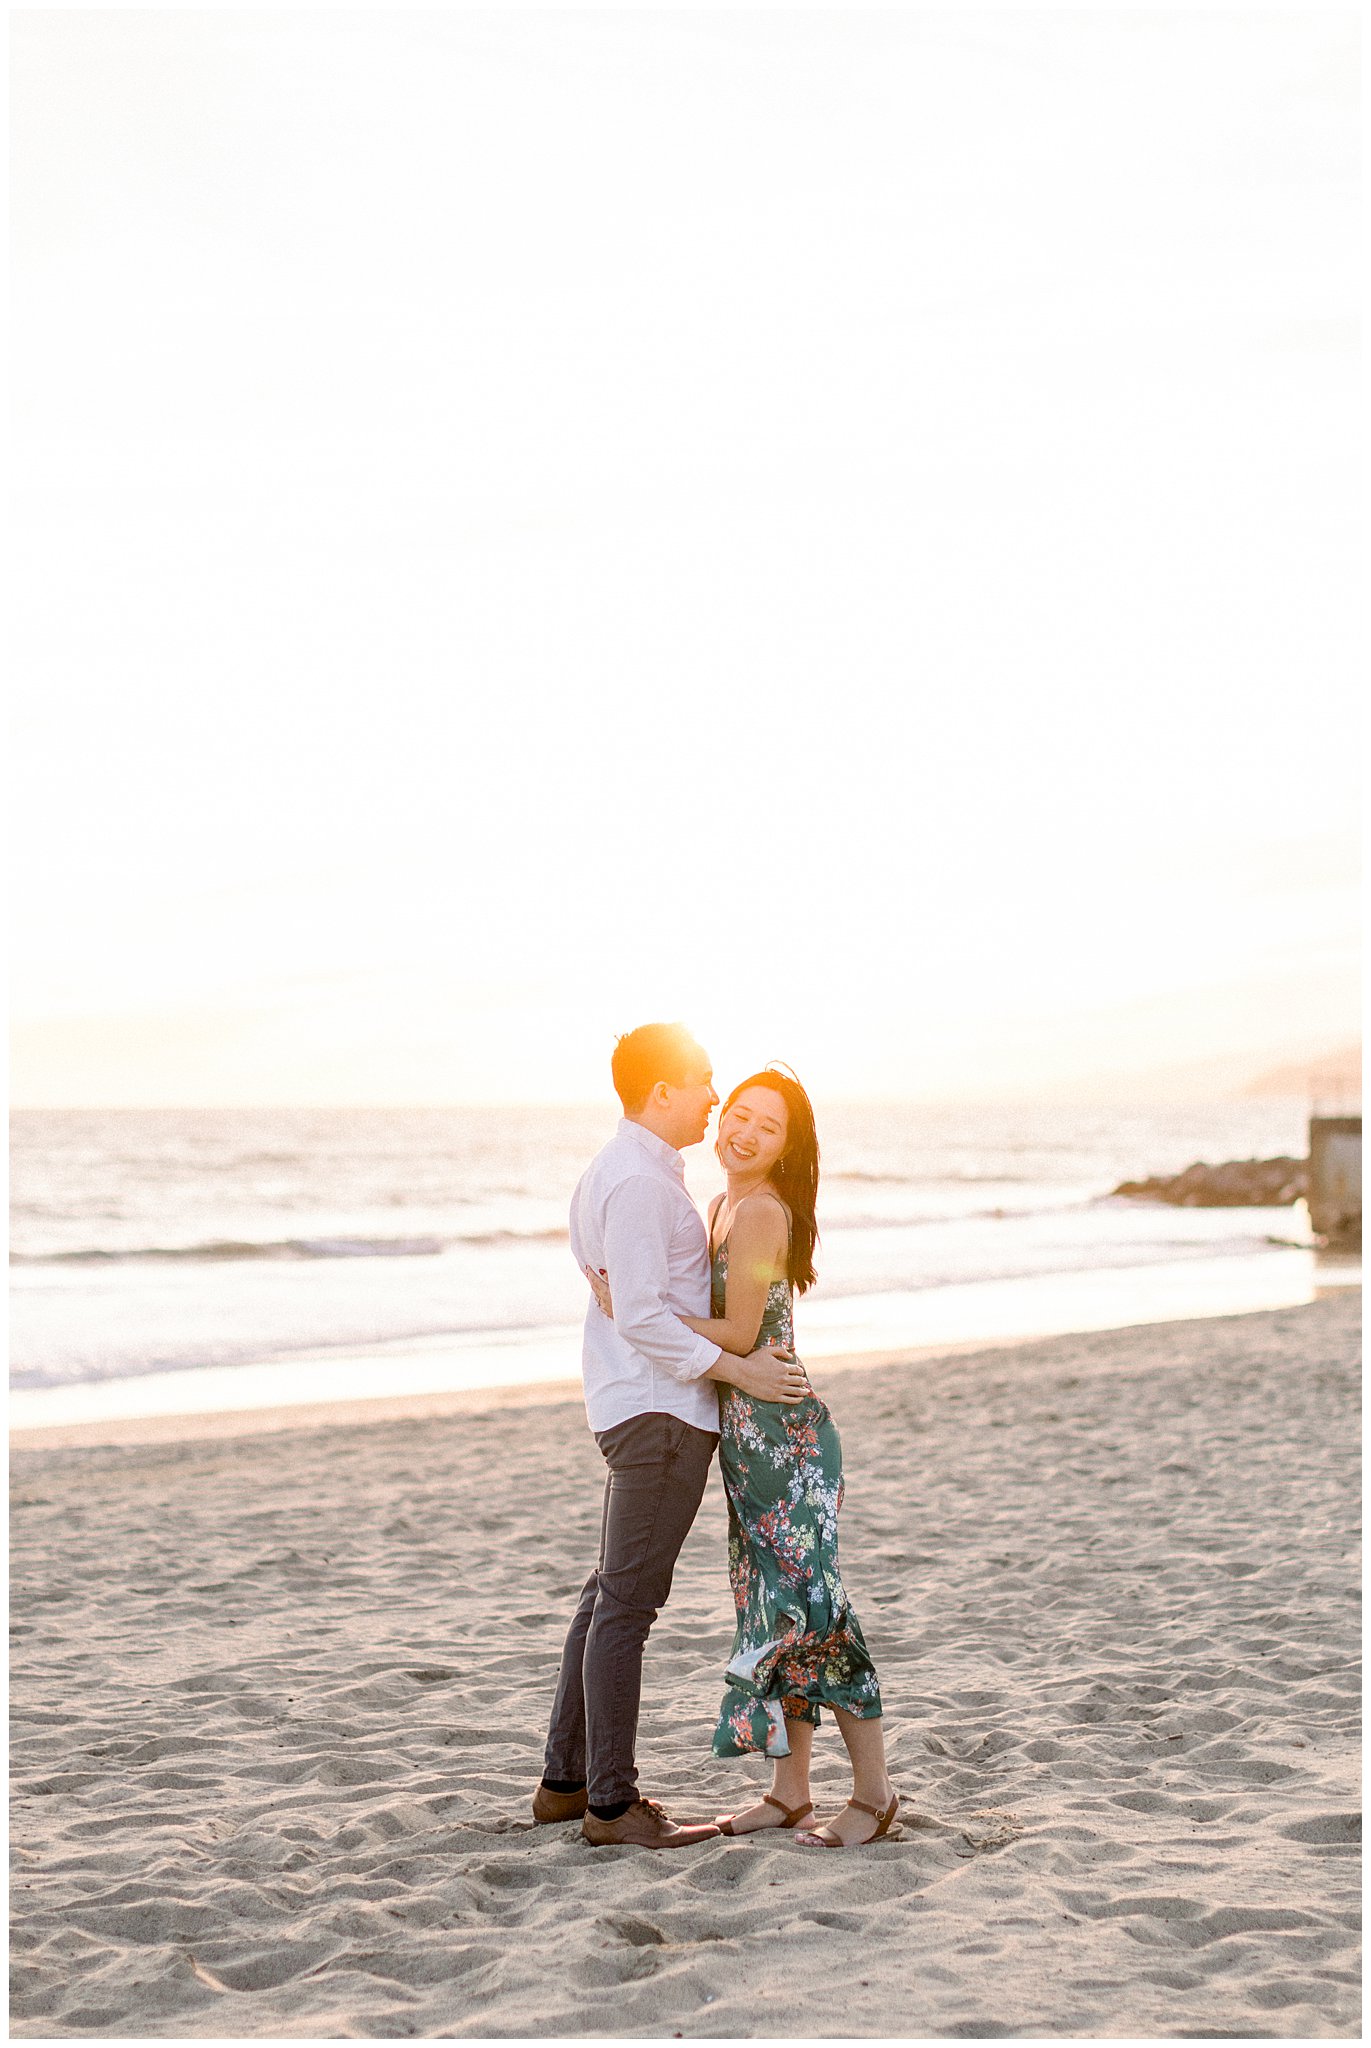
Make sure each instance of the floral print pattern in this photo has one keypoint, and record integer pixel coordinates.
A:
(798, 1644)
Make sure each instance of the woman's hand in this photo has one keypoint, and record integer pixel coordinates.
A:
(599, 1287)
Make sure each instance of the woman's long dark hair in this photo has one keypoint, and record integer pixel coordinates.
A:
(795, 1176)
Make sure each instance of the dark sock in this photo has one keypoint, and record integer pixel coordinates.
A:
(611, 1812)
(565, 1784)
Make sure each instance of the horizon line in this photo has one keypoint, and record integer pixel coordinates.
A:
(1048, 1097)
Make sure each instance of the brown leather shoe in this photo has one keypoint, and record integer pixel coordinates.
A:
(549, 1806)
(644, 1826)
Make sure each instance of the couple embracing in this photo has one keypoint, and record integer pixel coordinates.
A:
(689, 1347)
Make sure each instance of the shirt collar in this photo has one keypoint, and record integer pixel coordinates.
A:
(656, 1148)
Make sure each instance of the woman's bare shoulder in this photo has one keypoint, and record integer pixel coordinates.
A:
(763, 1214)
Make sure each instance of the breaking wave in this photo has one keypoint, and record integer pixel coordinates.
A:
(222, 1251)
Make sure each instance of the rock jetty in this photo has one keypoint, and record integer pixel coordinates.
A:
(1241, 1184)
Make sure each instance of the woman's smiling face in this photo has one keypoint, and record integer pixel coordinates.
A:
(752, 1132)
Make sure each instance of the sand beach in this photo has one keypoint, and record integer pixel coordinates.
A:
(279, 1700)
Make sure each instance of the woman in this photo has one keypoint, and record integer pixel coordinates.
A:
(798, 1645)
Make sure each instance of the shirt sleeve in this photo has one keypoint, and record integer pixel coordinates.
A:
(638, 1227)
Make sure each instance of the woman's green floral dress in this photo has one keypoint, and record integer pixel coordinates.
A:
(798, 1642)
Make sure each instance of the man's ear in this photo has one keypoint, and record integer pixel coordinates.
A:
(661, 1094)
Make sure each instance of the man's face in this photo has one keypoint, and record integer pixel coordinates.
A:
(692, 1102)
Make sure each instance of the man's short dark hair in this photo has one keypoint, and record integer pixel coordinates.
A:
(652, 1053)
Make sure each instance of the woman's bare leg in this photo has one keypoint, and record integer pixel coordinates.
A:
(871, 1784)
(789, 1782)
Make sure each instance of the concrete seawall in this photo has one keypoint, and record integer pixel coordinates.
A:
(1335, 1177)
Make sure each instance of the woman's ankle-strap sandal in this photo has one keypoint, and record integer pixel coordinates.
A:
(824, 1838)
(791, 1816)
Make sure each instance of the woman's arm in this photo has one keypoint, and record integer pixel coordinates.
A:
(757, 1241)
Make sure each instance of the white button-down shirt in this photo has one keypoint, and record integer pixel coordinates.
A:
(631, 1215)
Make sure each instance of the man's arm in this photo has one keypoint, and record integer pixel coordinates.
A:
(765, 1375)
(638, 1226)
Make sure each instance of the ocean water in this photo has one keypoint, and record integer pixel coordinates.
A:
(162, 1259)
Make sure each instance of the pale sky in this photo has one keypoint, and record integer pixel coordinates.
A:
(840, 527)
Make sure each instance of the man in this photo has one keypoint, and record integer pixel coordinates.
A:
(652, 1405)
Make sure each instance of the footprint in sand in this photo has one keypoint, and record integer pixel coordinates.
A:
(989, 1827)
(610, 1966)
(1326, 1830)
(637, 1933)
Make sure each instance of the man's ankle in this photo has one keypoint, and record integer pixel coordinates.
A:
(564, 1784)
(614, 1812)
